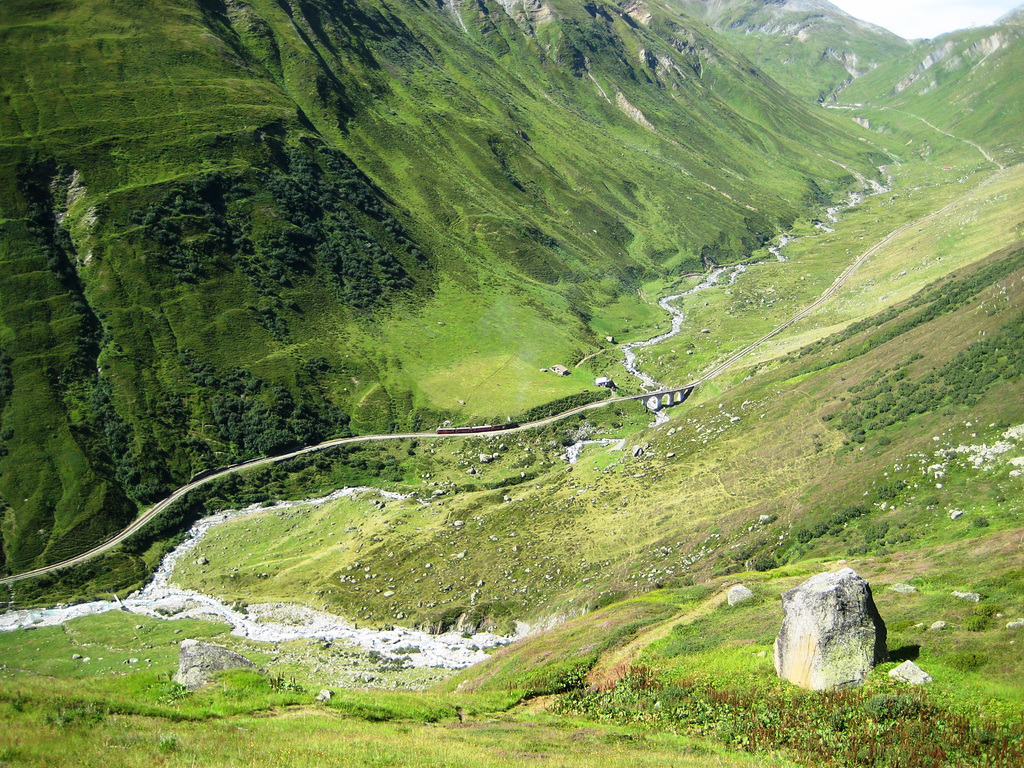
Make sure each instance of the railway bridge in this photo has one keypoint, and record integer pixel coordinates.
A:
(665, 398)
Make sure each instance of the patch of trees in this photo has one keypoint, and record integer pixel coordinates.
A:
(321, 195)
(815, 196)
(258, 419)
(144, 477)
(192, 228)
(6, 388)
(330, 219)
(894, 397)
(759, 231)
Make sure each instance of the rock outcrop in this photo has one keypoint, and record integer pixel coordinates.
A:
(973, 597)
(832, 634)
(903, 589)
(738, 594)
(198, 661)
(908, 672)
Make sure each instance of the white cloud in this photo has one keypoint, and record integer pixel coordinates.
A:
(927, 18)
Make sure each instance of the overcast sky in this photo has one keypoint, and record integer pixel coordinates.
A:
(927, 18)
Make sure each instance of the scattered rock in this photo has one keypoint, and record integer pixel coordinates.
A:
(738, 594)
(485, 458)
(937, 626)
(637, 451)
(955, 513)
(1018, 624)
(389, 593)
(325, 695)
(909, 672)
(903, 589)
(198, 661)
(459, 523)
(76, 656)
(202, 561)
(832, 634)
(974, 597)
(172, 606)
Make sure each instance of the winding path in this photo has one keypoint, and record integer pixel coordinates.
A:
(160, 506)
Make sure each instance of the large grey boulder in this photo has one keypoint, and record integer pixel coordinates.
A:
(198, 661)
(832, 634)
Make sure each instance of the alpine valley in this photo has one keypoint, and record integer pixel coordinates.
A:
(254, 253)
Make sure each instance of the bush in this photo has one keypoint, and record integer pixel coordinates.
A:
(887, 707)
(965, 661)
(976, 623)
(764, 561)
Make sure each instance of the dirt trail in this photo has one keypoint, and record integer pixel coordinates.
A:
(611, 667)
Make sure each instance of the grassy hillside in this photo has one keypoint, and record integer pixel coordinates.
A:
(396, 215)
(230, 228)
(813, 49)
(968, 82)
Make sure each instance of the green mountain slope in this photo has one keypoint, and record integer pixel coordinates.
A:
(811, 48)
(825, 454)
(232, 227)
(969, 82)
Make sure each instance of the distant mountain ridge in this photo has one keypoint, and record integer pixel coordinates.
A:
(810, 46)
(1016, 16)
(968, 81)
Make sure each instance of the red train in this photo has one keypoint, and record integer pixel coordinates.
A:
(477, 428)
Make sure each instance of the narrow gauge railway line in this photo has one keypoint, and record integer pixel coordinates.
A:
(209, 476)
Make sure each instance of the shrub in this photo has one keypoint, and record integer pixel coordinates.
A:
(764, 561)
(976, 623)
(168, 743)
(887, 707)
(965, 661)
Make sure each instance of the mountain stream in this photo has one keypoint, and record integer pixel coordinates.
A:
(268, 622)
